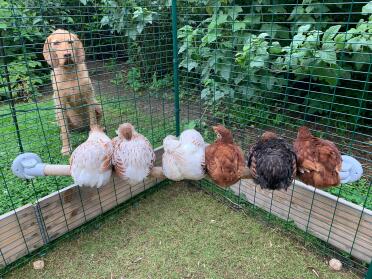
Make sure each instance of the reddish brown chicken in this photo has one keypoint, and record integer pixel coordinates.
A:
(318, 160)
(225, 160)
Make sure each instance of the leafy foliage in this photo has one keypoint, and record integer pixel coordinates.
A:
(18, 77)
(239, 55)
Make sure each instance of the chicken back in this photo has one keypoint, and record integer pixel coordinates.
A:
(272, 162)
(224, 160)
(318, 161)
(133, 156)
(184, 158)
(90, 163)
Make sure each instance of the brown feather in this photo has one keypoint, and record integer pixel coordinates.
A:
(224, 160)
(318, 160)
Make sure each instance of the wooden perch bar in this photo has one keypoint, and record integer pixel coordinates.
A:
(57, 170)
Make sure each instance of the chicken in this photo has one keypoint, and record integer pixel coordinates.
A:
(225, 160)
(272, 162)
(184, 158)
(90, 162)
(133, 156)
(318, 160)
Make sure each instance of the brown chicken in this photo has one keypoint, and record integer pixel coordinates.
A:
(225, 160)
(318, 160)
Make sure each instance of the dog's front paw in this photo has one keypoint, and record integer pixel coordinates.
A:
(65, 151)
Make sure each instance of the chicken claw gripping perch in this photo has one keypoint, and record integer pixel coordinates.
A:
(184, 158)
(225, 160)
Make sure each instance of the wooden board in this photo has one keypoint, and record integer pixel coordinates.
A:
(336, 221)
(73, 206)
(19, 234)
(61, 212)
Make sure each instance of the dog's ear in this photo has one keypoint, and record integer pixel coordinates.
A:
(78, 50)
(50, 55)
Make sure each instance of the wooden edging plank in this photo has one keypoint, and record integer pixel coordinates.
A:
(22, 230)
(344, 225)
(20, 234)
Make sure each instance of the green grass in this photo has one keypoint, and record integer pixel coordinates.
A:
(357, 192)
(39, 133)
(190, 236)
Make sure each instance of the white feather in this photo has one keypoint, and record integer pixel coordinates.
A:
(88, 158)
(184, 158)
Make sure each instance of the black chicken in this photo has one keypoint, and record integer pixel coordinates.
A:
(272, 162)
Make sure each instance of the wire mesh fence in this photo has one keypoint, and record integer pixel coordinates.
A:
(252, 65)
(278, 65)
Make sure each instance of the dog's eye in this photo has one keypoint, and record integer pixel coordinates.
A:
(56, 43)
(70, 41)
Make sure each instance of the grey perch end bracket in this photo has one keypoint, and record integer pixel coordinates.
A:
(30, 165)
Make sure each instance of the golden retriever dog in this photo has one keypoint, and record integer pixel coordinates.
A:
(73, 91)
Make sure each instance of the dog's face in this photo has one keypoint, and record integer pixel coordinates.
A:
(63, 49)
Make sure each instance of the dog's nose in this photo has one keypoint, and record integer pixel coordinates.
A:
(67, 55)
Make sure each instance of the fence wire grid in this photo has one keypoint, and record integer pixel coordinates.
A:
(252, 65)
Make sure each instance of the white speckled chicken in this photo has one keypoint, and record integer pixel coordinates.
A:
(133, 157)
(90, 163)
(184, 158)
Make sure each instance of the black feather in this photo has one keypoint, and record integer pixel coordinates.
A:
(275, 163)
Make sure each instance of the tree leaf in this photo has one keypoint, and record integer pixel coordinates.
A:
(182, 48)
(329, 34)
(304, 28)
(132, 33)
(275, 48)
(234, 12)
(221, 19)
(239, 78)
(238, 25)
(328, 56)
(258, 62)
(211, 37)
(140, 27)
(356, 43)
(224, 70)
(204, 93)
(191, 65)
(367, 9)
(297, 40)
(297, 10)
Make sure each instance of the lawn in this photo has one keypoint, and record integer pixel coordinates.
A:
(192, 235)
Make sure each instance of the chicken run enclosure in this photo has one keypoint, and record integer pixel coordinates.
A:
(166, 66)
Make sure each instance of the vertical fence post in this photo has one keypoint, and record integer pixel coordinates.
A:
(175, 67)
(9, 87)
(369, 272)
